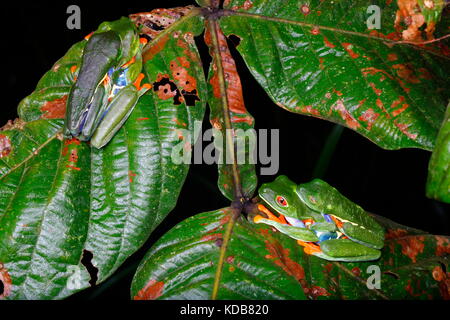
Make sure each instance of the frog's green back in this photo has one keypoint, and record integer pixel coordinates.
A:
(320, 196)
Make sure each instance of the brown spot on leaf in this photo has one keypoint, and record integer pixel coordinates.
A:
(68, 142)
(17, 124)
(154, 48)
(349, 48)
(317, 291)
(438, 274)
(356, 271)
(233, 81)
(246, 5)
(442, 246)
(131, 175)
(310, 110)
(377, 91)
(6, 282)
(328, 43)
(392, 57)
(211, 237)
(152, 291)
(152, 23)
(55, 109)
(400, 110)
(5, 146)
(410, 14)
(247, 119)
(351, 122)
(412, 246)
(414, 288)
(304, 9)
(406, 72)
(166, 89)
(280, 257)
(186, 82)
(369, 116)
(328, 267)
(390, 36)
(404, 128)
(395, 233)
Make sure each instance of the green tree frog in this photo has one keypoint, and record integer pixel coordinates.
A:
(321, 219)
(108, 83)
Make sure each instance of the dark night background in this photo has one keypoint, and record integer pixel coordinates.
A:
(388, 183)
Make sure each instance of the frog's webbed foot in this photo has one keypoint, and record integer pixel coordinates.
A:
(270, 215)
(310, 248)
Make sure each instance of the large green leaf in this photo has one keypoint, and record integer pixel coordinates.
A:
(259, 263)
(438, 183)
(319, 58)
(71, 214)
(234, 137)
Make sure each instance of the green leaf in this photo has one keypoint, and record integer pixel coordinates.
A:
(438, 183)
(319, 58)
(259, 263)
(234, 137)
(70, 214)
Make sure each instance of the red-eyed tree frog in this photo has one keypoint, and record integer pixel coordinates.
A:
(321, 219)
(108, 83)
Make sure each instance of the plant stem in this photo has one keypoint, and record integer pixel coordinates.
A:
(229, 144)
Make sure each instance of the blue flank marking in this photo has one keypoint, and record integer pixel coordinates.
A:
(327, 218)
(120, 82)
(295, 222)
(326, 236)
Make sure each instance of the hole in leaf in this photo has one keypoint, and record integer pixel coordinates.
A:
(155, 26)
(234, 39)
(86, 260)
(2, 287)
(443, 267)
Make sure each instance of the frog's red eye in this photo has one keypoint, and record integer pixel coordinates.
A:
(282, 201)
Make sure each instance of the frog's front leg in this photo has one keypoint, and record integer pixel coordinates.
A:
(294, 232)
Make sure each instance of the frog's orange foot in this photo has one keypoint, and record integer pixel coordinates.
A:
(127, 64)
(270, 215)
(338, 222)
(89, 36)
(309, 247)
(137, 82)
(257, 218)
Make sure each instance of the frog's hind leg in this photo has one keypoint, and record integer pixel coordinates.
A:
(347, 250)
(363, 236)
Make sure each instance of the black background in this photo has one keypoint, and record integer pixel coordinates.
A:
(388, 183)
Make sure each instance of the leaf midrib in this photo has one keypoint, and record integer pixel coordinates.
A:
(228, 12)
